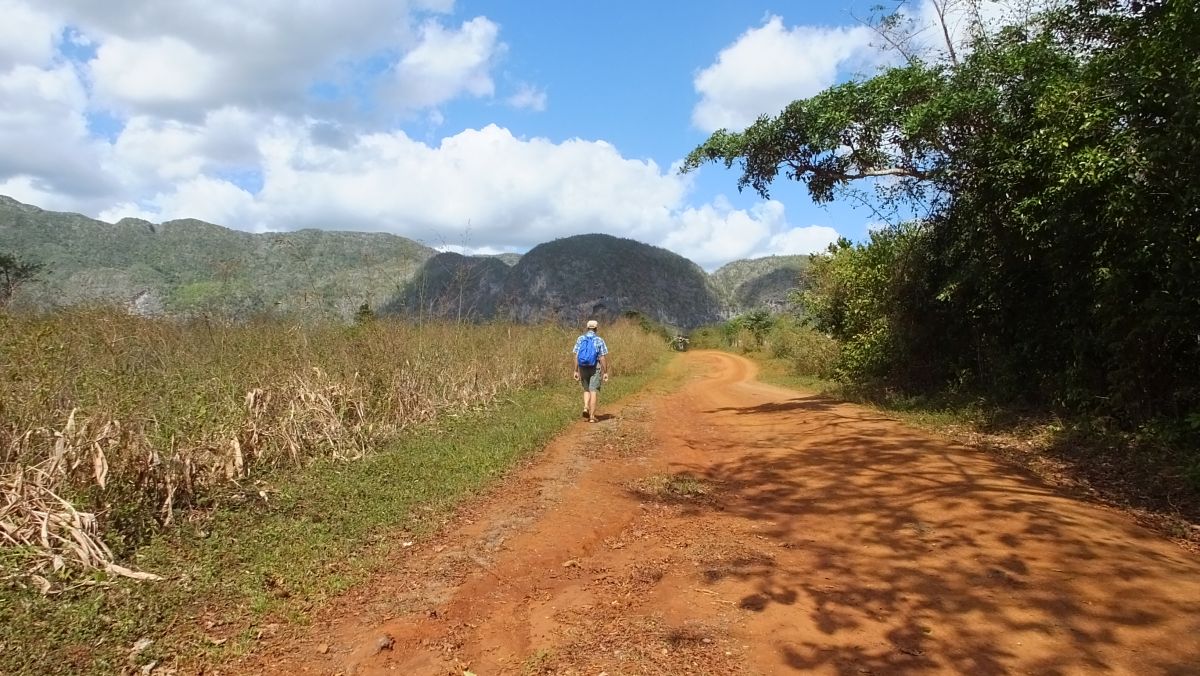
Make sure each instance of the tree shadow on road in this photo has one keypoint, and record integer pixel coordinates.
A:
(908, 553)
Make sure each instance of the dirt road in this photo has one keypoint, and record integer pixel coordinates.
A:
(731, 527)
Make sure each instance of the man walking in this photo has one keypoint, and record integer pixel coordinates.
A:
(591, 367)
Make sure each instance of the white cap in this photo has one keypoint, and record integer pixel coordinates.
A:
(592, 323)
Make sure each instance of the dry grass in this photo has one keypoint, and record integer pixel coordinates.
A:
(113, 426)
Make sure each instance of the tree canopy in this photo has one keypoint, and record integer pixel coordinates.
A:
(13, 274)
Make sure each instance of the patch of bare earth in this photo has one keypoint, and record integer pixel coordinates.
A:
(732, 527)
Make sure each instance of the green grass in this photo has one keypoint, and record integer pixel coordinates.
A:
(320, 531)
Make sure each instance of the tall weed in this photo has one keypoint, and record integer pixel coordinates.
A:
(112, 426)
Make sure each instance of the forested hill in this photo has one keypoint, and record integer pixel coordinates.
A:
(567, 280)
(600, 275)
(452, 286)
(760, 282)
(189, 266)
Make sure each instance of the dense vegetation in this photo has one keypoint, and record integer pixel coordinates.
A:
(786, 337)
(1059, 263)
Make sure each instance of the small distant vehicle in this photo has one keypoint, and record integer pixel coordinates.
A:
(679, 343)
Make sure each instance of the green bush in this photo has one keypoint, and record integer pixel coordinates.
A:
(807, 351)
(708, 338)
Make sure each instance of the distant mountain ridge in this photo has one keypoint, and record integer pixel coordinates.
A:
(582, 276)
(187, 266)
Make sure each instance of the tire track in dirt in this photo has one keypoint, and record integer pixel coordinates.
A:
(731, 527)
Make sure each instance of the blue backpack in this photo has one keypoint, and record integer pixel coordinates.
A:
(587, 351)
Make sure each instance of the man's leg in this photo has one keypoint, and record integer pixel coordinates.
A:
(593, 394)
(585, 379)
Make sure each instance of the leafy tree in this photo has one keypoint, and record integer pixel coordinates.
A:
(15, 273)
(1054, 163)
(364, 314)
(843, 134)
(757, 322)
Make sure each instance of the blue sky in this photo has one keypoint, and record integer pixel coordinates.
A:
(469, 125)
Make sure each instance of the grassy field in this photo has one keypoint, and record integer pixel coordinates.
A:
(361, 437)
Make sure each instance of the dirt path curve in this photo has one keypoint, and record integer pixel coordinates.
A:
(731, 527)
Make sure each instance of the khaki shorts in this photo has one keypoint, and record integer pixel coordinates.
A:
(590, 378)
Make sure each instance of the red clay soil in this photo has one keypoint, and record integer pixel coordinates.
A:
(732, 527)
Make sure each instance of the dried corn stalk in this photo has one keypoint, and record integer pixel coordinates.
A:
(34, 517)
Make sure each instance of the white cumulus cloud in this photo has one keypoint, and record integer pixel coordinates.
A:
(717, 233)
(202, 197)
(150, 150)
(208, 199)
(447, 63)
(183, 58)
(768, 67)
(44, 139)
(27, 36)
(156, 73)
(800, 240)
(187, 89)
(506, 190)
(481, 190)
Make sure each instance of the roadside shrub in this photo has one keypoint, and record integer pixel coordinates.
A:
(808, 351)
(708, 338)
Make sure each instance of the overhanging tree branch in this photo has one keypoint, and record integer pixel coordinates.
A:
(894, 125)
